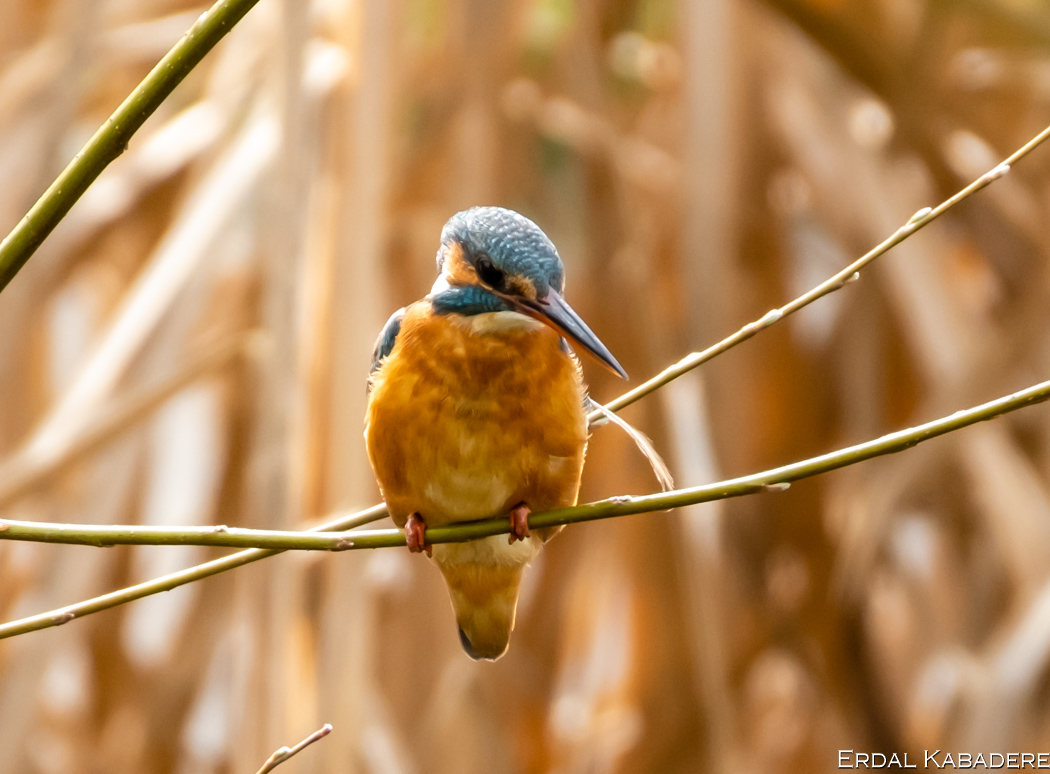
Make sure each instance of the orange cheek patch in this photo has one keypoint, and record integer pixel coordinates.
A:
(456, 269)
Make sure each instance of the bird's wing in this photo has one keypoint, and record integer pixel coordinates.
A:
(387, 337)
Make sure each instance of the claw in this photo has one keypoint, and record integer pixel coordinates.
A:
(519, 523)
(415, 535)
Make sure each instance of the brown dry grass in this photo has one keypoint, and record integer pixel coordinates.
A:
(697, 164)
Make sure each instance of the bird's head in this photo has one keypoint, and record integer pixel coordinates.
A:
(492, 260)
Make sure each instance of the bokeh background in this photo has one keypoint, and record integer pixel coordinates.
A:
(191, 345)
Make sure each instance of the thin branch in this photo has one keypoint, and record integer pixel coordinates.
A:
(284, 753)
(176, 579)
(775, 480)
(919, 220)
(219, 535)
(112, 137)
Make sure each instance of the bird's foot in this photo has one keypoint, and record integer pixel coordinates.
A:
(519, 523)
(415, 535)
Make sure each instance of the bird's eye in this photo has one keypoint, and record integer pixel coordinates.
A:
(488, 273)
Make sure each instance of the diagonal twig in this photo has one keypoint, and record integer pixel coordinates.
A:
(919, 220)
(284, 753)
(112, 137)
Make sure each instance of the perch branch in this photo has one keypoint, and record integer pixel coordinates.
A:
(176, 579)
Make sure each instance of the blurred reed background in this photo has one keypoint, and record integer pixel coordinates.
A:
(213, 301)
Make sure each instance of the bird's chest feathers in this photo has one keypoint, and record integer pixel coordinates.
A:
(485, 358)
(470, 415)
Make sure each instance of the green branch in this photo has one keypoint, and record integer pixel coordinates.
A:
(919, 220)
(775, 480)
(216, 536)
(169, 582)
(112, 137)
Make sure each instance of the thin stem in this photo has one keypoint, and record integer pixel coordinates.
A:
(284, 753)
(112, 137)
(136, 535)
(775, 480)
(169, 582)
(919, 220)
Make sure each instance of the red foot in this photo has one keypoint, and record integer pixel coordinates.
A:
(415, 535)
(519, 523)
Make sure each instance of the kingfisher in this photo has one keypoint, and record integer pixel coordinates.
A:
(477, 409)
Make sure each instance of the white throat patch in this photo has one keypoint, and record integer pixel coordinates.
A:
(495, 322)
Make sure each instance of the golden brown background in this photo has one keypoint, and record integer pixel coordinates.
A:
(697, 162)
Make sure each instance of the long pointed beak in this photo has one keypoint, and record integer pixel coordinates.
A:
(553, 310)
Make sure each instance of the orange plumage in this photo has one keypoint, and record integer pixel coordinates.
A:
(463, 424)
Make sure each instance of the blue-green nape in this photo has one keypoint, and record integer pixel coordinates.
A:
(515, 245)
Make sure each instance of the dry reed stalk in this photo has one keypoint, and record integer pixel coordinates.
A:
(947, 320)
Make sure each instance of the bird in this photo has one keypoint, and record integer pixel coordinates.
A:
(477, 409)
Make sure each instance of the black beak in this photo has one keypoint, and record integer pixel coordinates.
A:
(552, 310)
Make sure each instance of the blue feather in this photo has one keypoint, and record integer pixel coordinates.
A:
(385, 343)
(516, 245)
(469, 300)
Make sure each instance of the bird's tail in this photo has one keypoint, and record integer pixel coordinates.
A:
(485, 599)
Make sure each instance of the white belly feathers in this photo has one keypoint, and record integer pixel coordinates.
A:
(471, 492)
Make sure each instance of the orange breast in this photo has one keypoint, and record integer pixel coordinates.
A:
(469, 416)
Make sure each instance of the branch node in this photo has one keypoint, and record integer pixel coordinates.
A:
(284, 753)
(343, 544)
(769, 318)
(62, 618)
(851, 278)
(220, 529)
(780, 486)
(920, 215)
(995, 174)
(599, 421)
